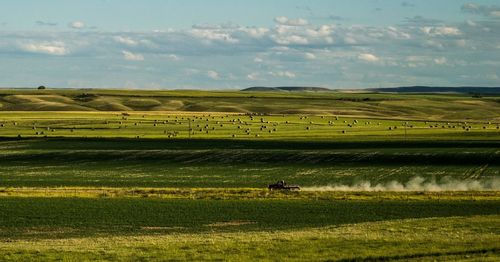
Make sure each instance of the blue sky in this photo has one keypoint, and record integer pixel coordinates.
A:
(228, 44)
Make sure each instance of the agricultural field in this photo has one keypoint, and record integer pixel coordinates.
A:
(182, 175)
(417, 106)
(139, 229)
(239, 126)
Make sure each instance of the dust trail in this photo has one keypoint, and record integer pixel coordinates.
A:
(417, 184)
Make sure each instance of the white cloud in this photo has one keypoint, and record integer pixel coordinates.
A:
(302, 35)
(447, 30)
(492, 76)
(280, 48)
(368, 57)
(222, 35)
(253, 76)
(258, 60)
(395, 33)
(440, 60)
(433, 44)
(323, 32)
(287, 74)
(309, 56)
(283, 20)
(125, 40)
(441, 31)
(470, 23)
(258, 32)
(414, 61)
(285, 51)
(350, 40)
(52, 48)
(131, 56)
(470, 7)
(414, 58)
(45, 23)
(173, 57)
(291, 40)
(213, 74)
(77, 25)
(484, 10)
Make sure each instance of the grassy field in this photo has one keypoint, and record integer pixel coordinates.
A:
(182, 175)
(135, 229)
(237, 126)
(436, 107)
(248, 164)
(449, 238)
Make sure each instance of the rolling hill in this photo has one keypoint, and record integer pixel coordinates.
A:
(401, 105)
(287, 88)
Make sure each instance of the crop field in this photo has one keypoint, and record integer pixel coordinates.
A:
(237, 126)
(134, 229)
(182, 175)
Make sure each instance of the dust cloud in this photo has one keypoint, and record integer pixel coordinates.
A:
(417, 184)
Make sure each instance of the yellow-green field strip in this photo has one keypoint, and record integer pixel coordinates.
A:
(235, 126)
(240, 194)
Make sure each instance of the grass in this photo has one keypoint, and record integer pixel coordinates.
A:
(182, 125)
(135, 229)
(408, 106)
(247, 164)
(89, 216)
(244, 194)
(112, 173)
(119, 175)
(451, 238)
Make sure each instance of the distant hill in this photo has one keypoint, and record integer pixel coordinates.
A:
(438, 89)
(356, 102)
(287, 88)
(402, 89)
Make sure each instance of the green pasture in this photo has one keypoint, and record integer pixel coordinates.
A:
(156, 174)
(69, 162)
(237, 126)
(95, 216)
(137, 229)
(134, 175)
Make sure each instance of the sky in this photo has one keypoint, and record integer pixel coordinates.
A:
(234, 44)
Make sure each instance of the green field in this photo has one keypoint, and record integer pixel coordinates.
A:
(237, 126)
(135, 229)
(182, 175)
(56, 162)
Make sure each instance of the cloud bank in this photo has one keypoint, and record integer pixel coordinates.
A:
(292, 51)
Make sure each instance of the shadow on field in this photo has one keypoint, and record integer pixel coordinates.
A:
(152, 144)
(241, 151)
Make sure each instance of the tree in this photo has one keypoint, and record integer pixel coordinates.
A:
(41, 87)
